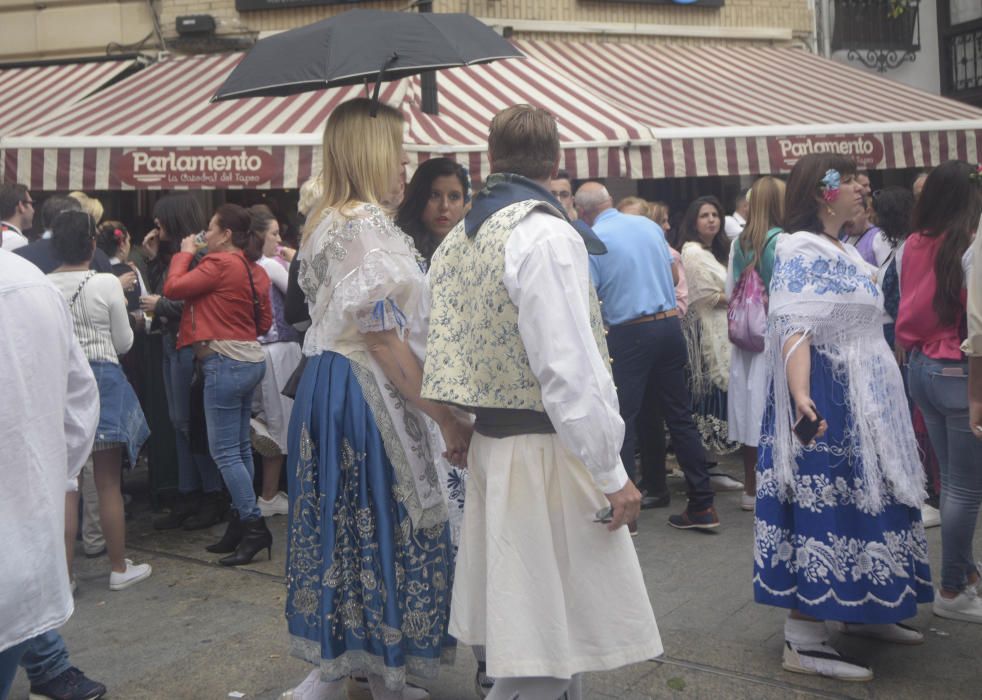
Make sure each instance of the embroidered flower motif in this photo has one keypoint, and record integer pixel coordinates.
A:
(830, 184)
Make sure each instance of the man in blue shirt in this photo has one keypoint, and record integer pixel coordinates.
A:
(635, 281)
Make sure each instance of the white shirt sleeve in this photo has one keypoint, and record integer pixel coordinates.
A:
(547, 277)
(119, 318)
(277, 273)
(81, 411)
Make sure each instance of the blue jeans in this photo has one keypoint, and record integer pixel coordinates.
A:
(650, 360)
(45, 657)
(9, 658)
(195, 472)
(940, 389)
(228, 407)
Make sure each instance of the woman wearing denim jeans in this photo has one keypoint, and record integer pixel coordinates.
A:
(226, 299)
(200, 501)
(931, 326)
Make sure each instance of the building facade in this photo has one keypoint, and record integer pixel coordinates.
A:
(66, 29)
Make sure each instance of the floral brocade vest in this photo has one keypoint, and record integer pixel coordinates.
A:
(475, 357)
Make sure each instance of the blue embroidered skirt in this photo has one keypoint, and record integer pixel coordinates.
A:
(821, 549)
(121, 420)
(367, 593)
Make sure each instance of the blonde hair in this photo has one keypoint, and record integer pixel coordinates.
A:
(359, 155)
(658, 212)
(310, 193)
(644, 209)
(90, 205)
(766, 199)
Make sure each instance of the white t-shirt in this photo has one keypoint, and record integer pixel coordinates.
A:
(11, 237)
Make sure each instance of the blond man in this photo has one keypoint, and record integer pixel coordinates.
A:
(547, 577)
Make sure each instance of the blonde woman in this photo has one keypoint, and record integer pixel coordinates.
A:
(705, 251)
(369, 552)
(635, 206)
(747, 394)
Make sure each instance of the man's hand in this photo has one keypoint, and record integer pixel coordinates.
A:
(626, 504)
(128, 280)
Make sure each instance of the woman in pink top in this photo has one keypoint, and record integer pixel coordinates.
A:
(931, 326)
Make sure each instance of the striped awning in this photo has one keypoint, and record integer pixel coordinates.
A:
(33, 93)
(158, 129)
(747, 111)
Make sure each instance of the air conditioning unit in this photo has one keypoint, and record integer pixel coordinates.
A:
(195, 25)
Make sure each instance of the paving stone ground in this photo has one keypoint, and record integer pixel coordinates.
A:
(197, 631)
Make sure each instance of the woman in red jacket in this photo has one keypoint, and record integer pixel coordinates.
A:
(226, 306)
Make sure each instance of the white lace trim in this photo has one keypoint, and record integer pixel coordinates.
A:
(868, 598)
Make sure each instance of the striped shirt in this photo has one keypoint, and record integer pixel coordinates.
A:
(99, 314)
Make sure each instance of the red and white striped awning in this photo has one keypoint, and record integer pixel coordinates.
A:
(33, 93)
(158, 130)
(747, 111)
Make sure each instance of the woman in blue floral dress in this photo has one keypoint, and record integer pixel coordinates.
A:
(838, 535)
(369, 558)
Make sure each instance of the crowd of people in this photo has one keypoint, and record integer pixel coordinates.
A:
(473, 395)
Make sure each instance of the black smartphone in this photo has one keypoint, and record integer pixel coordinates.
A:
(807, 429)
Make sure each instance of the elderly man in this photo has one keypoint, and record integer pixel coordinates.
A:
(546, 575)
(635, 281)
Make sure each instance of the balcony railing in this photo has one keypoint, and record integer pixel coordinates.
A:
(875, 35)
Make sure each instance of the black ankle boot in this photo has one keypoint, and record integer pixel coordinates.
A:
(210, 513)
(185, 507)
(255, 538)
(233, 535)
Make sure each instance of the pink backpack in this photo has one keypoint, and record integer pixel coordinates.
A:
(747, 313)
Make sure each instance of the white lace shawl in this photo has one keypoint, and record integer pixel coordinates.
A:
(705, 323)
(831, 296)
(360, 273)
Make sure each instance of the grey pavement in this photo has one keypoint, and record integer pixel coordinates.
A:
(198, 631)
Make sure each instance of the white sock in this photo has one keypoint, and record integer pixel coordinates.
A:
(540, 688)
(805, 634)
(379, 692)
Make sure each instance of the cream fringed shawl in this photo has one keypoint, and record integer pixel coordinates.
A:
(830, 295)
(705, 323)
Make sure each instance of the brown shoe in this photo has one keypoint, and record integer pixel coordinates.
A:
(695, 519)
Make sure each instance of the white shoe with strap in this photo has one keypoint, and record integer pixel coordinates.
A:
(896, 633)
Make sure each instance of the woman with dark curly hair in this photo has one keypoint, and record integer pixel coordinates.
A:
(705, 253)
(434, 203)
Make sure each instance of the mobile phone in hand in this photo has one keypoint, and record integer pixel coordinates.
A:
(604, 515)
(806, 429)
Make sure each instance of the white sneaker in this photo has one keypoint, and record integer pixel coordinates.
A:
(823, 660)
(134, 574)
(313, 688)
(895, 634)
(277, 505)
(965, 607)
(722, 482)
(747, 502)
(930, 515)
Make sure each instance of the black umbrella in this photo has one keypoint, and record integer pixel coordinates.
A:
(362, 45)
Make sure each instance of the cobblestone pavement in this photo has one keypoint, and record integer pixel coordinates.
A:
(199, 631)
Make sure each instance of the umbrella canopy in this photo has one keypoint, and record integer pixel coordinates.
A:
(362, 45)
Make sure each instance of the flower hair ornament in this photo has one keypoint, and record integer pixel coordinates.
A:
(829, 185)
(976, 175)
(118, 235)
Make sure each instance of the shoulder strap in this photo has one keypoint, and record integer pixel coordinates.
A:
(71, 302)
(256, 314)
